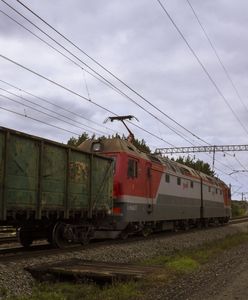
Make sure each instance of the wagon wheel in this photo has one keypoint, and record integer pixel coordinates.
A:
(24, 237)
(59, 240)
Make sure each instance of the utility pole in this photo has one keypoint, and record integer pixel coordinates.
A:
(213, 158)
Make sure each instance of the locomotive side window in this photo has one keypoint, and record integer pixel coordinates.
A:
(132, 170)
(178, 181)
(192, 184)
(167, 178)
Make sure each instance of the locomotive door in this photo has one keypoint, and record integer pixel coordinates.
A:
(149, 207)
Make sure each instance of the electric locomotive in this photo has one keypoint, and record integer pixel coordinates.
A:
(153, 193)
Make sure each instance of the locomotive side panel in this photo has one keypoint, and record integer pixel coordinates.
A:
(179, 197)
(213, 201)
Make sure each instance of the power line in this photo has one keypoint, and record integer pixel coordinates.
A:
(54, 104)
(42, 112)
(108, 71)
(61, 53)
(54, 112)
(202, 65)
(146, 130)
(37, 120)
(221, 63)
(217, 55)
(104, 79)
(113, 76)
(76, 94)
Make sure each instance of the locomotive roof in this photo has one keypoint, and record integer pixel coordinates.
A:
(113, 145)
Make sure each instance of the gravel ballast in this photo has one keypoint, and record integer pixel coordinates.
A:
(15, 280)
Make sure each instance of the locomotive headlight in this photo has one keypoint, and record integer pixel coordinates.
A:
(96, 147)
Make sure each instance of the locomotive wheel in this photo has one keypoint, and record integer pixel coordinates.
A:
(206, 223)
(185, 225)
(58, 236)
(146, 231)
(124, 235)
(24, 237)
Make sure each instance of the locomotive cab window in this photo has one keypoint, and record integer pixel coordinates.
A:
(178, 181)
(192, 184)
(132, 170)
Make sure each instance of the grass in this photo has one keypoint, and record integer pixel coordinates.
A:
(182, 262)
(90, 291)
(190, 259)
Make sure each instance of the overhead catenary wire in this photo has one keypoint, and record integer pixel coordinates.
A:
(160, 139)
(37, 120)
(217, 56)
(42, 112)
(54, 104)
(156, 136)
(202, 66)
(104, 68)
(109, 72)
(116, 88)
(55, 112)
(61, 53)
(70, 118)
(77, 94)
(220, 62)
(25, 115)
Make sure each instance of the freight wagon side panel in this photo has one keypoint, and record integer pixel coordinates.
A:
(79, 180)
(54, 172)
(38, 176)
(20, 175)
(102, 183)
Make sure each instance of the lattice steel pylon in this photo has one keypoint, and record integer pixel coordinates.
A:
(195, 149)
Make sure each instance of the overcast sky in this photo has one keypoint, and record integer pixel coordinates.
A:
(138, 43)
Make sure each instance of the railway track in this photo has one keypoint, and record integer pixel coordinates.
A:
(41, 248)
(8, 239)
(7, 235)
(45, 249)
(239, 220)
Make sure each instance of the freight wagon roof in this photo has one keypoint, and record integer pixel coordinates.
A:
(6, 130)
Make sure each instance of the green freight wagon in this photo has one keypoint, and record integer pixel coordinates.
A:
(50, 190)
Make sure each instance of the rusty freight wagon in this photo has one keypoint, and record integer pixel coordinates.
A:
(50, 190)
